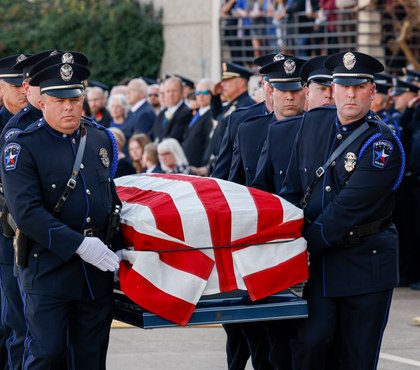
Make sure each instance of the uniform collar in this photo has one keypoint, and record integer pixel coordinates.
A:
(349, 127)
(74, 135)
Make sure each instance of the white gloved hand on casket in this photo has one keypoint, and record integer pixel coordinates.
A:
(95, 252)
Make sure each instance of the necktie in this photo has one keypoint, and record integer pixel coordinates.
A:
(194, 119)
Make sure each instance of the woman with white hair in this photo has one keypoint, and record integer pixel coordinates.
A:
(172, 157)
(118, 108)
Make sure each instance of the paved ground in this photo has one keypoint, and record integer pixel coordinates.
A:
(202, 348)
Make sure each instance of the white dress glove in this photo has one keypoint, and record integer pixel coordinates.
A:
(95, 252)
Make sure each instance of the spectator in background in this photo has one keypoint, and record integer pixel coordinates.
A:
(119, 89)
(97, 99)
(192, 103)
(124, 166)
(172, 158)
(141, 116)
(153, 98)
(197, 134)
(136, 146)
(347, 18)
(173, 120)
(118, 108)
(150, 159)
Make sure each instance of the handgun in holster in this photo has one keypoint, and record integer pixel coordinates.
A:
(113, 224)
(21, 246)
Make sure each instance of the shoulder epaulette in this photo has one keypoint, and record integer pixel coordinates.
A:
(33, 127)
(91, 122)
(288, 119)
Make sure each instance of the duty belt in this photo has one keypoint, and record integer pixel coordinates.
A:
(99, 232)
(359, 231)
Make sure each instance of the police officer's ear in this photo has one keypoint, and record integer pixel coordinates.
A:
(41, 103)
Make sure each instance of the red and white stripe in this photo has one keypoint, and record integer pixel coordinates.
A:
(168, 218)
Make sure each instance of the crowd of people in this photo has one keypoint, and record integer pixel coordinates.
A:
(304, 28)
(333, 134)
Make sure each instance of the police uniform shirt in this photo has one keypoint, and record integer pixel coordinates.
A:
(5, 116)
(19, 122)
(247, 148)
(221, 170)
(275, 155)
(358, 188)
(37, 165)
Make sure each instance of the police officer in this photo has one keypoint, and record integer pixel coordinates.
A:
(234, 87)
(224, 159)
(11, 325)
(14, 98)
(344, 171)
(288, 101)
(57, 178)
(275, 155)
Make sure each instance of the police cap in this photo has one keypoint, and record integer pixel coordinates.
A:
(284, 74)
(7, 73)
(185, 81)
(314, 70)
(352, 68)
(64, 80)
(383, 78)
(60, 57)
(269, 58)
(26, 65)
(149, 80)
(382, 88)
(401, 87)
(232, 70)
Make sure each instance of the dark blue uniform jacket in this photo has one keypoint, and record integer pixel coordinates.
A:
(344, 198)
(36, 167)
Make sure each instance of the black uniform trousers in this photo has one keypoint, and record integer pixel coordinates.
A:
(359, 335)
(88, 333)
(12, 314)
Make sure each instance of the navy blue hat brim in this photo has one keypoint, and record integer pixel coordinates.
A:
(287, 86)
(398, 92)
(65, 93)
(321, 82)
(350, 81)
(15, 81)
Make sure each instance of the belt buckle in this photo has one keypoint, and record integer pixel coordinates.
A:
(89, 232)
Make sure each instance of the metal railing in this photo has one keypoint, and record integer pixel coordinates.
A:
(371, 32)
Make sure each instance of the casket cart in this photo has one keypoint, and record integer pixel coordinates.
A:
(207, 251)
(222, 308)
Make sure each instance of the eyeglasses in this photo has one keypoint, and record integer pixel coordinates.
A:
(202, 92)
(153, 95)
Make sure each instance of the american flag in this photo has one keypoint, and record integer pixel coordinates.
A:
(195, 236)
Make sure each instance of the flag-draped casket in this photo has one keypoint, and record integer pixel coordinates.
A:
(195, 236)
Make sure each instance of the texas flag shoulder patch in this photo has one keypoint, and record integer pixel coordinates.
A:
(11, 154)
(382, 150)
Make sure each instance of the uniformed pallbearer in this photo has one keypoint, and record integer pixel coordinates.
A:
(57, 178)
(344, 171)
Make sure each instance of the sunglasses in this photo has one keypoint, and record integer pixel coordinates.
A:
(202, 92)
(153, 95)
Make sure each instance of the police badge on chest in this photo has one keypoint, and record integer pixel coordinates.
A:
(350, 161)
(103, 154)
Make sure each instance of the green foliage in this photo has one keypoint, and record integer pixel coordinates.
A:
(121, 38)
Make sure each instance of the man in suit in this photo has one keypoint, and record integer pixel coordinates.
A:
(174, 119)
(197, 134)
(97, 99)
(141, 116)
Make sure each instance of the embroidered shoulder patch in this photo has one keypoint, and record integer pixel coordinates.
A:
(11, 155)
(382, 150)
(11, 133)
